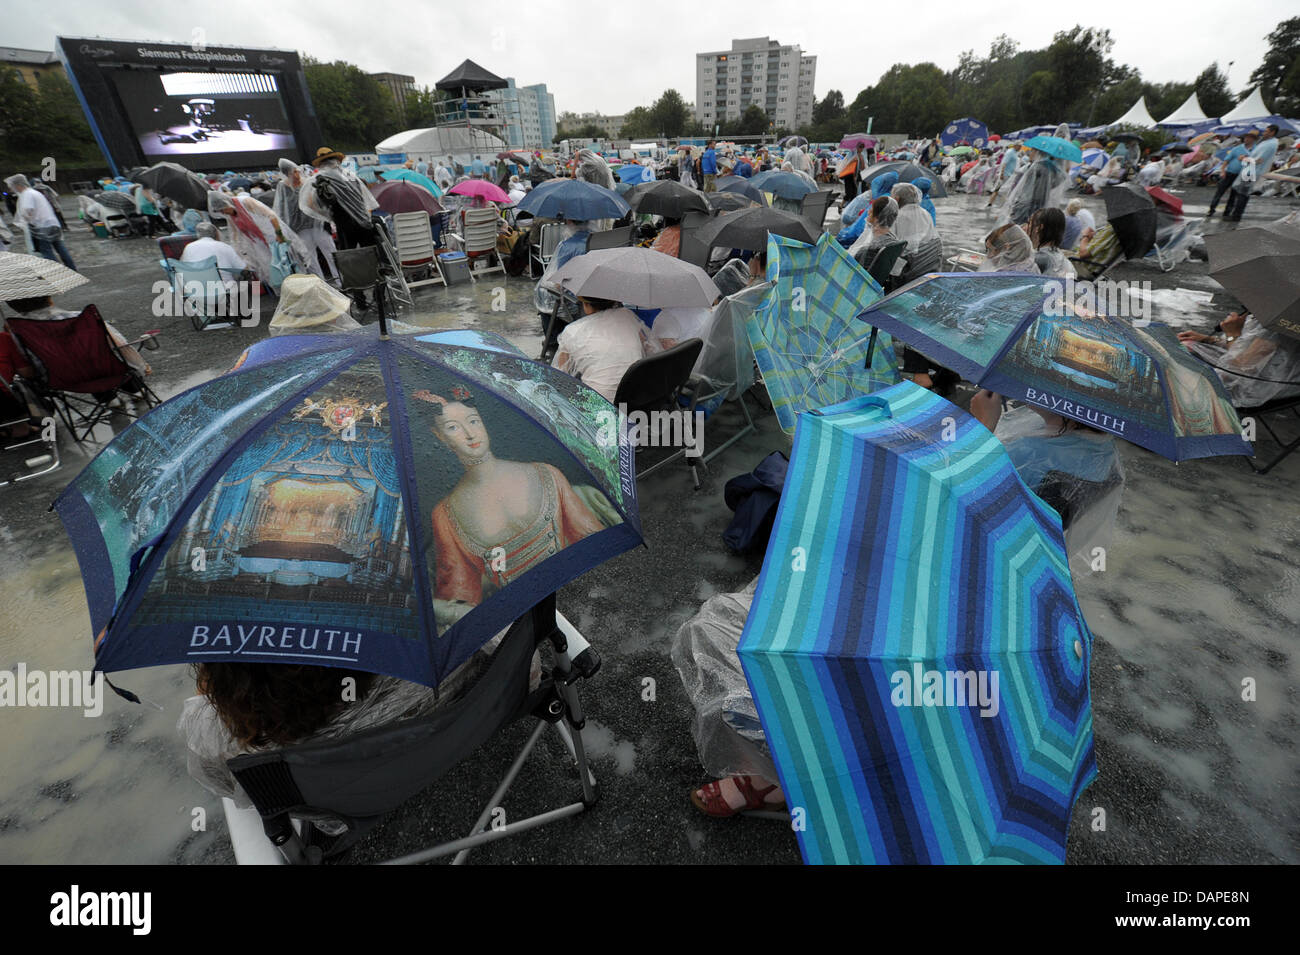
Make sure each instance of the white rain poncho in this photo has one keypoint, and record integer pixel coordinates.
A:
(1012, 251)
(1077, 471)
(878, 232)
(593, 168)
(726, 727)
(726, 362)
(1042, 186)
(347, 197)
(256, 232)
(1052, 261)
(309, 305)
(1259, 353)
(286, 205)
(915, 227)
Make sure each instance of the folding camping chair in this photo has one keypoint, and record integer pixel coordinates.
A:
(14, 393)
(415, 249)
(202, 290)
(1173, 243)
(79, 368)
(481, 239)
(610, 239)
(1261, 413)
(359, 779)
(814, 206)
(171, 246)
(657, 383)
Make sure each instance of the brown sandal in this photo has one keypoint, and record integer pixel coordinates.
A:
(713, 803)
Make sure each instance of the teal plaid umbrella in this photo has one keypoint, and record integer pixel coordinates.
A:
(803, 333)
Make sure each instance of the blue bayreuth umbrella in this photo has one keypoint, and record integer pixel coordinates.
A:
(915, 648)
(784, 184)
(337, 501)
(808, 347)
(1056, 147)
(1039, 339)
(969, 131)
(574, 199)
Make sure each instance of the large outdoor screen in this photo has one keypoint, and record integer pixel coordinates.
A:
(205, 119)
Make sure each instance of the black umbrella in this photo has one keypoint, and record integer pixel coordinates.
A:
(732, 201)
(1179, 148)
(1260, 266)
(907, 172)
(1126, 137)
(741, 186)
(667, 198)
(176, 183)
(1133, 215)
(750, 229)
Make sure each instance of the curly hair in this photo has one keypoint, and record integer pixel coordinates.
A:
(273, 704)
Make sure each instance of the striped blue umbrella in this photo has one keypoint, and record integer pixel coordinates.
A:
(1047, 342)
(915, 648)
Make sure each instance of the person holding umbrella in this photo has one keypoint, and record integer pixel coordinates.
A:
(1261, 150)
(1043, 183)
(1255, 364)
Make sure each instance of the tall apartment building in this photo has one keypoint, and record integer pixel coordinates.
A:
(401, 86)
(760, 72)
(609, 125)
(530, 115)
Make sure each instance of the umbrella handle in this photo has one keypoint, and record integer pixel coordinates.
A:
(875, 401)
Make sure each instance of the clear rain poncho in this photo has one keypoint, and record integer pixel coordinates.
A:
(1261, 354)
(286, 205)
(1012, 251)
(1078, 472)
(333, 194)
(256, 234)
(726, 727)
(592, 168)
(1042, 186)
(915, 227)
(309, 305)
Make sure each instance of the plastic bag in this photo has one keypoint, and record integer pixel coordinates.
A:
(1259, 353)
(725, 725)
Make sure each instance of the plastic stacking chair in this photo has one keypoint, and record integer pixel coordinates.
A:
(80, 371)
(481, 239)
(548, 239)
(359, 779)
(656, 384)
(415, 249)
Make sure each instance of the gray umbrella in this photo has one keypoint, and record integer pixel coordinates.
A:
(741, 186)
(750, 229)
(731, 201)
(1261, 267)
(635, 276)
(664, 197)
(33, 276)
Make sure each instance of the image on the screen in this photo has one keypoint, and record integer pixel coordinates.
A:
(177, 115)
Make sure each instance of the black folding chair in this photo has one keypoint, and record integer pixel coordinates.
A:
(881, 266)
(359, 779)
(610, 239)
(1261, 413)
(658, 383)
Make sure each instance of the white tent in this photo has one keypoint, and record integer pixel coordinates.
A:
(1251, 107)
(1138, 115)
(439, 142)
(1190, 112)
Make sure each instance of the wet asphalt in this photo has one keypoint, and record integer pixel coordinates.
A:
(1188, 773)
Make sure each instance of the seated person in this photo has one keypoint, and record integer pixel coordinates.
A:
(726, 727)
(1047, 231)
(1078, 220)
(247, 707)
(42, 309)
(672, 326)
(877, 229)
(669, 239)
(600, 347)
(915, 227)
(1150, 174)
(1267, 364)
(208, 245)
(1008, 249)
(1097, 249)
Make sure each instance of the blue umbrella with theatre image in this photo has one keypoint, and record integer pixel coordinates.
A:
(379, 504)
(1044, 341)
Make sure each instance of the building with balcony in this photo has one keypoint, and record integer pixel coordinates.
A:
(761, 72)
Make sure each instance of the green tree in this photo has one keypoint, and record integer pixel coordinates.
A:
(355, 110)
(1279, 74)
(422, 108)
(638, 123)
(670, 115)
(18, 115)
(1212, 91)
(908, 99)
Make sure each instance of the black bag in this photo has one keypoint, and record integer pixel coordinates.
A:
(754, 497)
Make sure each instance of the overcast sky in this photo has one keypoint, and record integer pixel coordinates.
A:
(604, 57)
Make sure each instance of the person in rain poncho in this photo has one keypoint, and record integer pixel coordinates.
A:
(591, 167)
(1047, 232)
(924, 185)
(261, 237)
(877, 229)
(801, 164)
(315, 234)
(915, 227)
(334, 195)
(443, 176)
(1111, 173)
(1255, 364)
(1078, 220)
(189, 220)
(1008, 249)
(686, 168)
(1008, 169)
(1042, 186)
(516, 190)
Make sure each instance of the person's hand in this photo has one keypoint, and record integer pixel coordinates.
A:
(1190, 336)
(986, 407)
